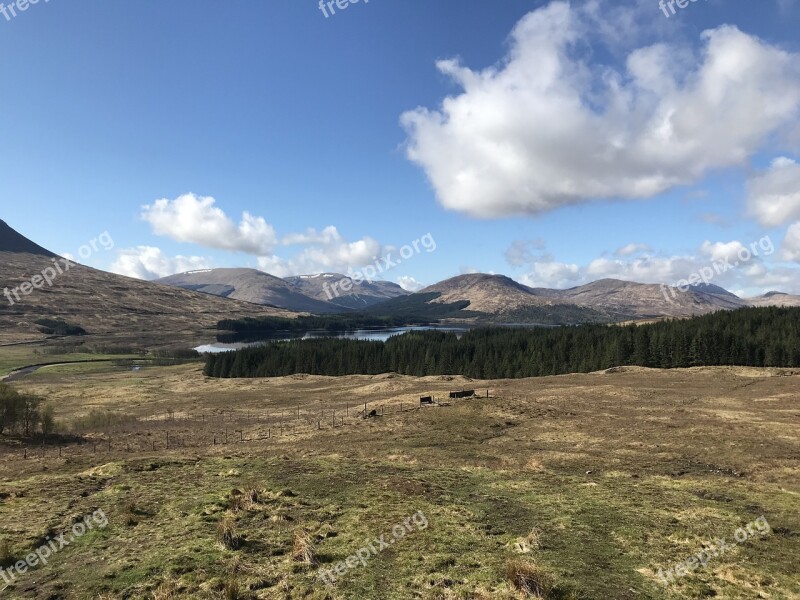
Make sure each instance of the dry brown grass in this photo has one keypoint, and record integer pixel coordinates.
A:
(529, 578)
(303, 549)
(168, 590)
(227, 534)
(232, 589)
(612, 476)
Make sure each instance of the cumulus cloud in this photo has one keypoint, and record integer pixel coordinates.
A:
(790, 250)
(774, 196)
(196, 219)
(147, 262)
(549, 126)
(331, 254)
(723, 251)
(329, 235)
(409, 284)
(631, 249)
(552, 274)
(644, 269)
(753, 274)
(523, 251)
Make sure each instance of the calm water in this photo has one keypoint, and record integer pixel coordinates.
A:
(380, 335)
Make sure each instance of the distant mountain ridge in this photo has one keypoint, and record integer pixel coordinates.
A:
(320, 294)
(249, 285)
(330, 287)
(475, 297)
(616, 300)
(482, 297)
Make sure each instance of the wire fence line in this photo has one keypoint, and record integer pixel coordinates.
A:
(174, 430)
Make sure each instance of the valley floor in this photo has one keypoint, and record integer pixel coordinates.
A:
(587, 483)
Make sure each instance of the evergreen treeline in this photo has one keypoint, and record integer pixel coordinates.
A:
(333, 323)
(58, 327)
(397, 312)
(760, 337)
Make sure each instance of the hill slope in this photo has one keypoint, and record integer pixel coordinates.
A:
(628, 300)
(12, 241)
(363, 295)
(110, 307)
(492, 294)
(775, 299)
(501, 299)
(250, 285)
(607, 299)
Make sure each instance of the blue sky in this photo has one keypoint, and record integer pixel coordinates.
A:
(598, 140)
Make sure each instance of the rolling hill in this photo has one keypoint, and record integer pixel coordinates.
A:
(497, 297)
(363, 295)
(111, 308)
(775, 299)
(501, 299)
(251, 285)
(629, 300)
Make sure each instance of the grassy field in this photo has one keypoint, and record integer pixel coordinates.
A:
(16, 357)
(583, 485)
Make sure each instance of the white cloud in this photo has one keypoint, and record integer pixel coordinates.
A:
(774, 196)
(329, 235)
(524, 251)
(548, 127)
(552, 274)
(195, 219)
(723, 251)
(756, 274)
(632, 249)
(791, 244)
(645, 269)
(147, 262)
(277, 266)
(329, 253)
(409, 283)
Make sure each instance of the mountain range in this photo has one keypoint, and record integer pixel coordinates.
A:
(320, 294)
(488, 297)
(190, 304)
